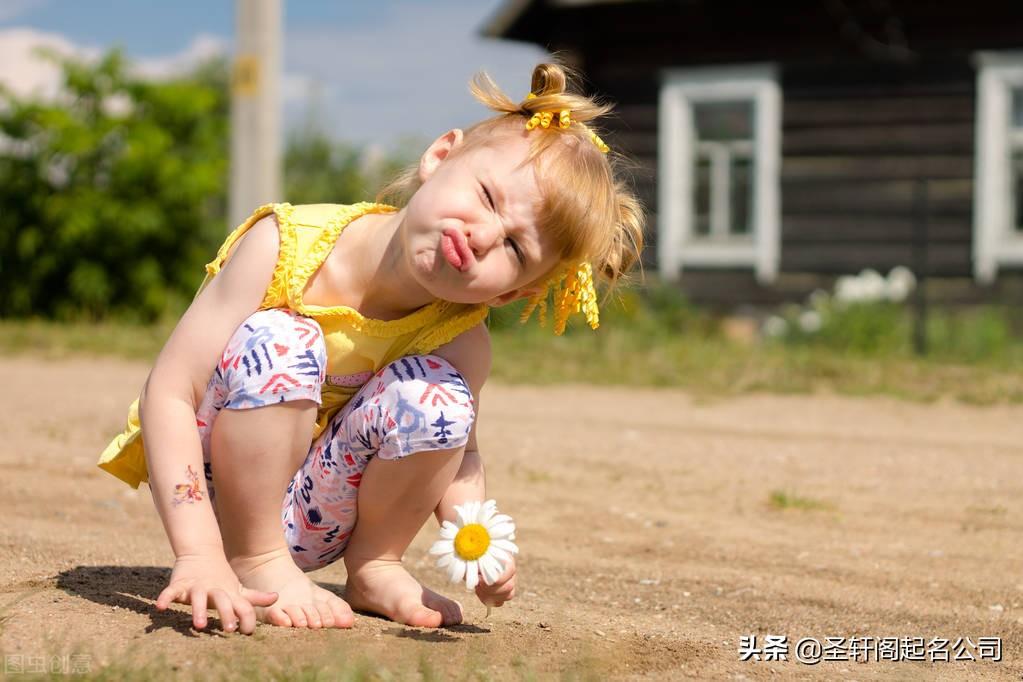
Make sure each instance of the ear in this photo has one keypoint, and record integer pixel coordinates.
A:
(514, 295)
(437, 152)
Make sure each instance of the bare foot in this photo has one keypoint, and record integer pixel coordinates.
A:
(385, 587)
(300, 602)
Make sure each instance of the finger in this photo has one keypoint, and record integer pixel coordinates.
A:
(312, 616)
(258, 597)
(222, 603)
(246, 616)
(169, 594)
(297, 616)
(199, 608)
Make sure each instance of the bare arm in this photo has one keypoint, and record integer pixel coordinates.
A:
(178, 381)
(470, 354)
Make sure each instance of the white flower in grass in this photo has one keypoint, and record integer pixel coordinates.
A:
(479, 542)
(875, 286)
(810, 321)
(901, 283)
(775, 326)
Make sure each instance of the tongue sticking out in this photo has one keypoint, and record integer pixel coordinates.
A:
(451, 252)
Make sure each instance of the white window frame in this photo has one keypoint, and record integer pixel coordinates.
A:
(677, 244)
(995, 240)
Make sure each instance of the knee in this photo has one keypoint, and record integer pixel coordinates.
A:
(422, 403)
(291, 333)
(273, 356)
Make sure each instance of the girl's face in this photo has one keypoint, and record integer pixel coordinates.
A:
(470, 231)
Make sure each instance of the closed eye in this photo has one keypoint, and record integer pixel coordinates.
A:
(486, 193)
(518, 251)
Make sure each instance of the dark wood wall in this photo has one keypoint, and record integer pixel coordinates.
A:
(858, 143)
(877, 98)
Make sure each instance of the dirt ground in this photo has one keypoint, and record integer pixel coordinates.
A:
(649, 542)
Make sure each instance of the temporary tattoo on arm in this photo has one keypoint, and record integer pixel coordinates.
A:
(188, 492)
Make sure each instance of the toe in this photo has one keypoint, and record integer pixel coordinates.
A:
(423, 617)
(342, 612)
(455, 609)
(312, 616)
(326, 615)
(297, 615)
(277, 616)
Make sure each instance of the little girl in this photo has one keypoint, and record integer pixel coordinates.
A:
(318, 399)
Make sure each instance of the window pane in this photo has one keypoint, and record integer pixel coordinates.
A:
(724, 120)
(742, 188)
(701, 197)
(1017, 108)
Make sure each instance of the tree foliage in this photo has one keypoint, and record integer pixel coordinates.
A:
(113, 196)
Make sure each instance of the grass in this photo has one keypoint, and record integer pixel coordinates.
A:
(231, 661)
(657, 339)
(782, 500)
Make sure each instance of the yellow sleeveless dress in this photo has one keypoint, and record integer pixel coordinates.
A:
(357, 346)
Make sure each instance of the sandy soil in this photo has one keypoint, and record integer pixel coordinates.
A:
(649, 543)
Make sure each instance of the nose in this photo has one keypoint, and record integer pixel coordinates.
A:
(481, 236)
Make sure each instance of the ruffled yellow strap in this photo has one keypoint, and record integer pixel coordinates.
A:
(277, 290)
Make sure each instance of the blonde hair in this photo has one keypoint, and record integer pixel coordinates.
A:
(586, 207)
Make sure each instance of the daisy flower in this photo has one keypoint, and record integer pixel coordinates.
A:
(479, 542)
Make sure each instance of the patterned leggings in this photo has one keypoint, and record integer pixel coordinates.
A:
(415, 404)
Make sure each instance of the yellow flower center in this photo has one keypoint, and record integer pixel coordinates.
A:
(472, 542)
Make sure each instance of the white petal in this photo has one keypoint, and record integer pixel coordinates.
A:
(456, 571)
(474, 511)
(443, 547)
(472, 575)
(501, 530)
(491, 569)
(498, 519)
(506, 545)
(462, 511)
(488, 511)
(448, 530)
(502, 555)
(445, 560)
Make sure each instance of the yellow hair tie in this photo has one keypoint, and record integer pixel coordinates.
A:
(543, 119)
(573, 292)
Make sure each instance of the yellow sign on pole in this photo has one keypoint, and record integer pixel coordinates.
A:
(245, 76)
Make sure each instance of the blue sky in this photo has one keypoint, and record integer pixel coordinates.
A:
(372, 71)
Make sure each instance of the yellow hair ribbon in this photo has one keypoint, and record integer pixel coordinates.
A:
(573, 292)
(544, 119)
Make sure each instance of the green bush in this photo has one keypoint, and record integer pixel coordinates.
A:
(112, 197)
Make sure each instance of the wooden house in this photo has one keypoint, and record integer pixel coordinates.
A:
(782, 144)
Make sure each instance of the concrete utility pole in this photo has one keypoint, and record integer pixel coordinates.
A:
(255, 108)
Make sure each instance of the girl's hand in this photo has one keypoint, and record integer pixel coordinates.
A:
(502, 590)
(207, 581)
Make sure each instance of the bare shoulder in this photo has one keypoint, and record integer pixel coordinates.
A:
(263, 236)
(470, 353)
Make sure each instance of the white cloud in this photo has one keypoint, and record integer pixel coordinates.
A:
(203, 47)
(26, 73)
